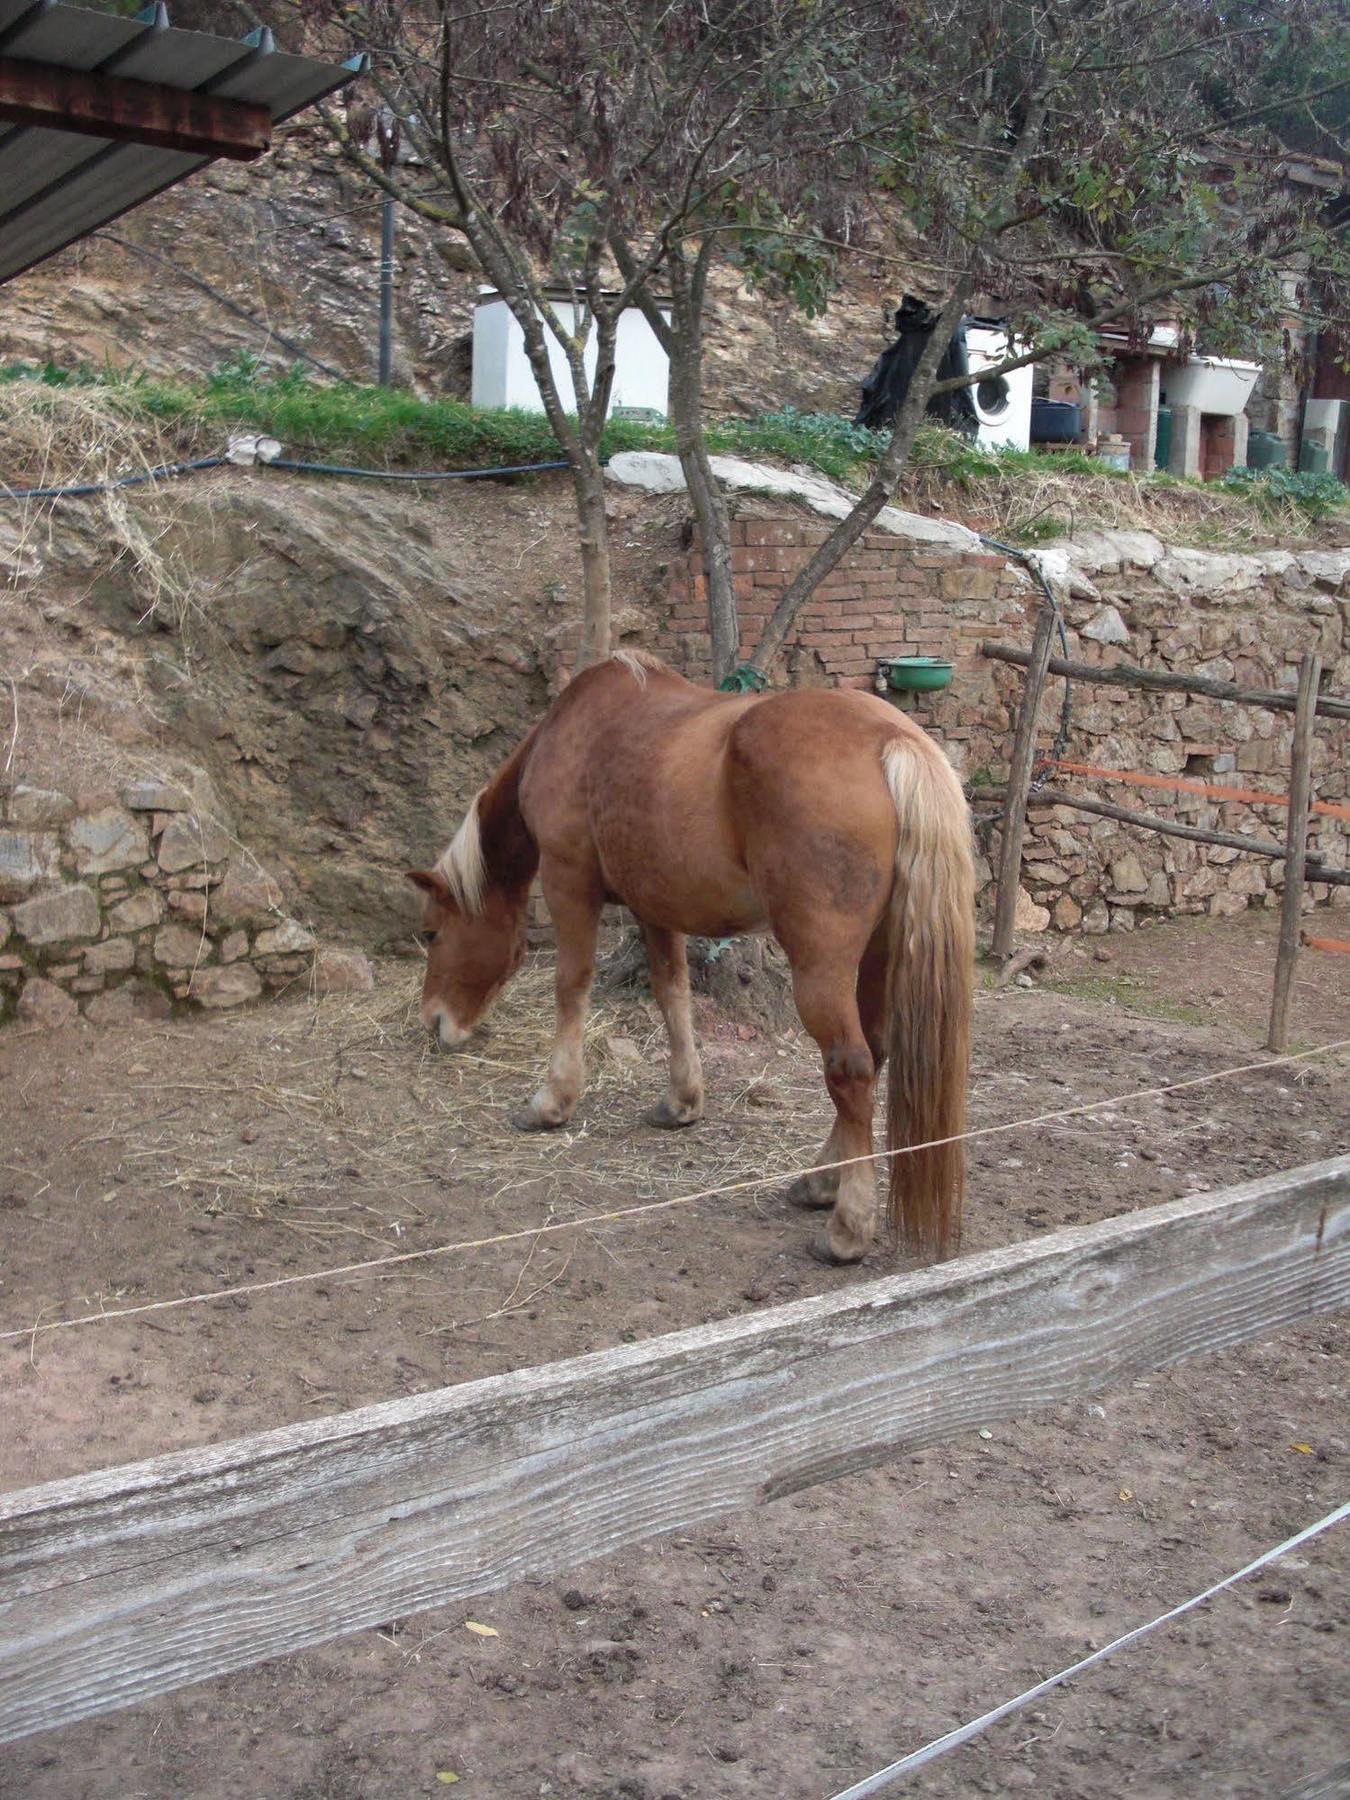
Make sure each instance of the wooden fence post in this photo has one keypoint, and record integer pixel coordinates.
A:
(1019, 780)
(1296, 848)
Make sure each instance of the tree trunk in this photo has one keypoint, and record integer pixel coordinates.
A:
(875, 495)
(681, 337)
(706, 497)
(714, 519)
(588, 482)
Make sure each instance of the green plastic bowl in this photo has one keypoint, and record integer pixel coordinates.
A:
(917, 674)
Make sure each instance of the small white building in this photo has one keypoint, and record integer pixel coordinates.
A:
(502, 376)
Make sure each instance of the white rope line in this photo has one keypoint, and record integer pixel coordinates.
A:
(872, 1784)
(751, 1184)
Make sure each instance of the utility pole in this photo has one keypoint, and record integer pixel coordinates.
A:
(387, 137)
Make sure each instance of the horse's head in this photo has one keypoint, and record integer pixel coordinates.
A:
(471, 955)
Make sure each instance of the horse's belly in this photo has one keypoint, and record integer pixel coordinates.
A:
(692, 887)
(695, 916)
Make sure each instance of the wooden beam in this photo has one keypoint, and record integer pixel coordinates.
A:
(1132, 676)
(1019, 780)
(1296, 849)
(135, 1581)
(1229, 840)
(134, 112)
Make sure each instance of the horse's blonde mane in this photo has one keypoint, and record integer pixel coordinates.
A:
(462, 862)
(637, 663)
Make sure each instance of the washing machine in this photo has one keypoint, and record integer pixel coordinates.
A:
(1002, 402)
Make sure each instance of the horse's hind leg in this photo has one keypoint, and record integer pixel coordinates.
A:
(827, 1000)
(574, 906)
(669, 968)
(822, 1190)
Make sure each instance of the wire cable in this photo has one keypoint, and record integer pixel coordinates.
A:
(83, 490)
(873, 1784)
(753, 1184)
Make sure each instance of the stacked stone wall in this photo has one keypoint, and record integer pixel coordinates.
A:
(1126, 598)
(138, 901)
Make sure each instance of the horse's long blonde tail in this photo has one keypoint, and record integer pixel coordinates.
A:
(930, 978)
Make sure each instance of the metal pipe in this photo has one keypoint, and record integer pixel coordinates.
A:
(387, 291)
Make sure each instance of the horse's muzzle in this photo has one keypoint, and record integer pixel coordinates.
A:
(443, 1028)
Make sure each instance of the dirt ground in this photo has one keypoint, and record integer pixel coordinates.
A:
(785, 1652)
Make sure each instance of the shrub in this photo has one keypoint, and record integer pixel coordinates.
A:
(1317, 495)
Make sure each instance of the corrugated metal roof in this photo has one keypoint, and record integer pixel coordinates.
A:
(57, 186)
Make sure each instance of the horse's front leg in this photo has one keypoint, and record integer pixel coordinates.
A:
(574, 905)
(669, 967)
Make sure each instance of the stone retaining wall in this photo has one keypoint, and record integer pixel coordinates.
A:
(1126, 597)
(140, 902)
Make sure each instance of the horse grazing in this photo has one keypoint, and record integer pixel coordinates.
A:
(824, 816)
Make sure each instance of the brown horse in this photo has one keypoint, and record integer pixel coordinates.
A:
(825, 817)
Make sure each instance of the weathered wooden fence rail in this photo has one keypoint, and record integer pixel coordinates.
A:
(135, 1581)
(1124, 674)
(1306, 703)
(1314, 868)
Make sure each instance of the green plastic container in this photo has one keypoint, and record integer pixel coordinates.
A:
(917, 674)
(1266, 451)
(1162, 452)
(1312, 459)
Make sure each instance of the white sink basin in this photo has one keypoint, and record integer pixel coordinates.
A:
(1210, 383)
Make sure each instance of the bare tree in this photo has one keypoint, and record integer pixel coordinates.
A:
(1079, 166)
(594, 153)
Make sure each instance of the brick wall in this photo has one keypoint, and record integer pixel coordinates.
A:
(890, 597)
(1137, 407)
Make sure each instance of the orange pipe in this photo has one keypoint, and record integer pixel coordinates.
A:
(1338, 946)
(1175, 784)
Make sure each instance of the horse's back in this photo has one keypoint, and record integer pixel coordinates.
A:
(713, 813)
(822, 741)
(809, 792)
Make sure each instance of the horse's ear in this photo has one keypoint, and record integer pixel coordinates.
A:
(430, 881)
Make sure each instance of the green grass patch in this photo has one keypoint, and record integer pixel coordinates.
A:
(391, 427)
(339, 421)
(1026, 496)
(1272, 490)
(1130, 994)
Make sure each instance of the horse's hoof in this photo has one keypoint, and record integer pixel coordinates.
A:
(825, 1252)
(529, 1120)
(665, 1117)
(801, 1193)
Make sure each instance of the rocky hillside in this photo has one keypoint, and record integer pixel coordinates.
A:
(343, 664)
(294, 240)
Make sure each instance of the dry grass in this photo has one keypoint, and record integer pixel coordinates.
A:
(77, 436)
(372, 1115)
(1026, 506)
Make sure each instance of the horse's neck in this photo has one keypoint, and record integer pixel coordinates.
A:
(510, 854)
